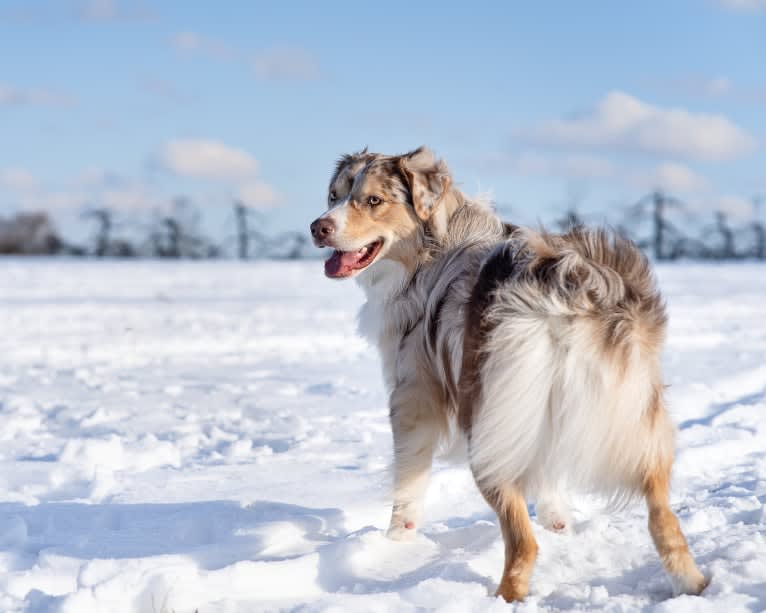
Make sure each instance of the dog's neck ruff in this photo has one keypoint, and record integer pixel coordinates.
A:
(385, 285)
(396, 293)
(384, 281)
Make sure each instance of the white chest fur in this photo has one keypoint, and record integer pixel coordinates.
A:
(385, 316)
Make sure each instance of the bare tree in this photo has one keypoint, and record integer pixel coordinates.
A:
(251, 241)
(758, 228)
(104, 221)
(29, 234)
(571, 219)
(176, 234)
(105, 242)
(666, 241)
(243, 235)
(727, 250)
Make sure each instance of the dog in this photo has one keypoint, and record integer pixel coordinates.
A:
(543, 350)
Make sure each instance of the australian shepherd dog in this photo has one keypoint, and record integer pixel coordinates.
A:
(542, 349)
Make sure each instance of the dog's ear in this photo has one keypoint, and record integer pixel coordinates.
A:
(428, 178)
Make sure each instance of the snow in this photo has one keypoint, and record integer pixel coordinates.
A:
(213, 436)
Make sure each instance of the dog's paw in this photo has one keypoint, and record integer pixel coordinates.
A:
(553, 516)
(512, 590)
(692, 583)
(401, 531)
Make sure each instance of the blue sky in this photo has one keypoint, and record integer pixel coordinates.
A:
(542, 104)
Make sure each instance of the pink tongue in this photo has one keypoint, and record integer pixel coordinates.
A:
(342, 263)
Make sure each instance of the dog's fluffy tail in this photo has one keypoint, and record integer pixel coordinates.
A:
(570, 379)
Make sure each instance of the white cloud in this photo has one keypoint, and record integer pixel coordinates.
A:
(622, 122)
(99, 10)
(18, 96)
(258, 194)
(669, 176)
(571, 166)
(233, 174)
(51, 200)
(285, 64)
(717, 86)
(191, 42)
(132, 196)
(18, 179)
(743, 5)
(212, 160)
(164, 89)
(734, 206)
(122, 199)
(112, 10)
(674, 177)
(275, 64)
(92, 177)
(89, 11)
(93, 186)
(206, 159)
(535, 164)
(695, 85)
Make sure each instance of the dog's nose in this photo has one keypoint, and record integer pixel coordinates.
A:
(322, 228)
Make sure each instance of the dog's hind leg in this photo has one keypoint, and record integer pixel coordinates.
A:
(663, 524)
(520, 545)
(416, 435)
(667, 536)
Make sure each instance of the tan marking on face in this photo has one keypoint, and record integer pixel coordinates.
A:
(393, 219)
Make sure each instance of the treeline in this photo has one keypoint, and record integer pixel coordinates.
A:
(658, 223)
(664, 227)
(674, 233)
(175, 234)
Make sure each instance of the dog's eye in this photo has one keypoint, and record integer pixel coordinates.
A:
(333, 196)
(373, 201)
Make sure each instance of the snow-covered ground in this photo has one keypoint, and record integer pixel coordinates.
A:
(214, 437)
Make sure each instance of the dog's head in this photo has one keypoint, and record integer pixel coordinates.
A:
(378, 206)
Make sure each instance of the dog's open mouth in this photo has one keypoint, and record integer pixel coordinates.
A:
(345, 263)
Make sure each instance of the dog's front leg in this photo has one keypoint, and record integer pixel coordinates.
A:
(416, 433)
